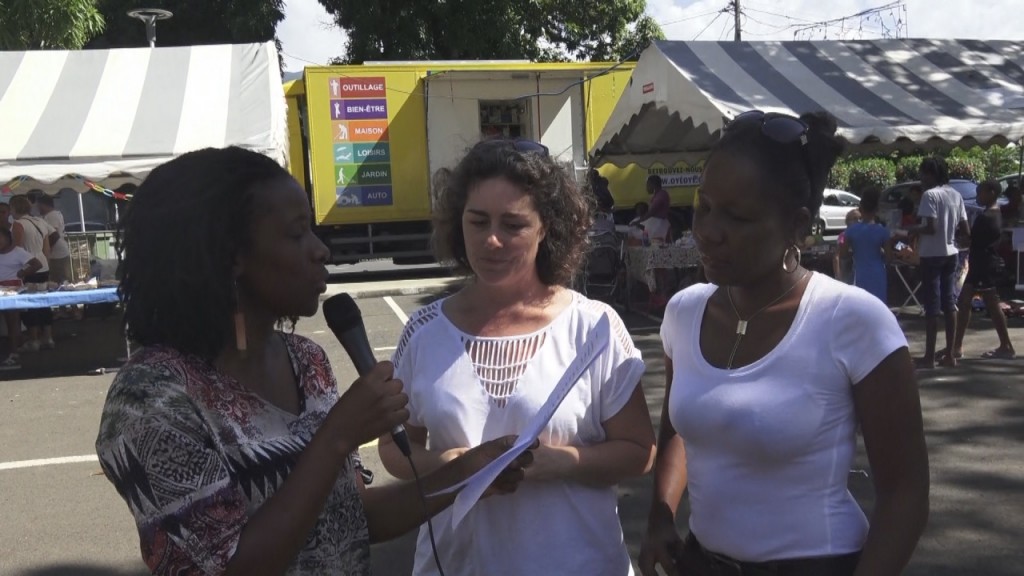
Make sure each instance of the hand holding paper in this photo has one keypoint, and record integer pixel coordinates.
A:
(475, 486)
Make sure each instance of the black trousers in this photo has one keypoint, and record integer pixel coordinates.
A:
(37, 317)
(698, 561)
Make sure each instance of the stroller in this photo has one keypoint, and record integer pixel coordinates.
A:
(601, 277)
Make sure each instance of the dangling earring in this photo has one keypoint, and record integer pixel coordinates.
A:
(785, 259)
(240, 341)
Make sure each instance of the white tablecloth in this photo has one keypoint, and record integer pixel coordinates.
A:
(642, 261)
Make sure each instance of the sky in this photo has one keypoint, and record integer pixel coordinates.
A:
(308, 35)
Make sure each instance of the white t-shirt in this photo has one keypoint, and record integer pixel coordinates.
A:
(56, 220)
(769, 445)
(36, 230)
(13, 261)
(946, 206)
(555, 527)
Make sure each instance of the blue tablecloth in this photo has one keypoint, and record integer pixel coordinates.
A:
(63, 298)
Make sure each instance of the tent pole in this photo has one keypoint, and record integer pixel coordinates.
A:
(1020, 164)
(81, 212)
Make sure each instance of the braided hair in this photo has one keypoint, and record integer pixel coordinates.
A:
(178, 243)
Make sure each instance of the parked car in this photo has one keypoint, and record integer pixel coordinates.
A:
(968, 189)
(835, 205)
(1004, 181)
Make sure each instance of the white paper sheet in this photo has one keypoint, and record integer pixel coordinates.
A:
(473, 487)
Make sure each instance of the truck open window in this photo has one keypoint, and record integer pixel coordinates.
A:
(506, 118)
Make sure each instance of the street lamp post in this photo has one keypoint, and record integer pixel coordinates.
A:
(150, 16)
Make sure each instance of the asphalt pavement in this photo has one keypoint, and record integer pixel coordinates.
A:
(60, 516)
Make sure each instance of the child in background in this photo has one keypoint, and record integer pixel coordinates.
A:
(842, 266)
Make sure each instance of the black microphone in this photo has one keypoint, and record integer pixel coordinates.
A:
(346, 322)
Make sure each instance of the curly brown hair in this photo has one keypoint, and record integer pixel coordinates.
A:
(565, 211)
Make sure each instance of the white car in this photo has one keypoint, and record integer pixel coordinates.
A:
(835, 205)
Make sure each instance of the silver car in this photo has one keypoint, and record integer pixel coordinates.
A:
(835, 205)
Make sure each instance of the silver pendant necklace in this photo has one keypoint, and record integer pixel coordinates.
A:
(741, 324)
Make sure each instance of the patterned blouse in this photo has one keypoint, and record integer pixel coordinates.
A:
(194, 454)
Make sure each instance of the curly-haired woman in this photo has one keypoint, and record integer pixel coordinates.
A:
(480, 363)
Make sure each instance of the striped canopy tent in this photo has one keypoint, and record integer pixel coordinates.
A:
(885, 94)
(101, 118)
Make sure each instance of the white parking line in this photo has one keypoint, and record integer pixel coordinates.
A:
(385, 348)
(48, 462)
(397, 310)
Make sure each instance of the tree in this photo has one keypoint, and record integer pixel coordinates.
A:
(492, 29)
(194, 22)
(53, 24)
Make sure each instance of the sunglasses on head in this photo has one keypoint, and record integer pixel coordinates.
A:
(782, 128)
(523, 145)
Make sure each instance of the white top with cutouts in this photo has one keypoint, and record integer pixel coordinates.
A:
(468, 389)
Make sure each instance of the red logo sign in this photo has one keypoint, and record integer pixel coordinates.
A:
(648, 88)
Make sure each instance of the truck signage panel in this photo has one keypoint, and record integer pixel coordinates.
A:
(362, 155)
(368, 109)
(350, 87)
(356, 196)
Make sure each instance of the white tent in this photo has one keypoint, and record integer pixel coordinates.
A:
(111, 116)
(885, 94)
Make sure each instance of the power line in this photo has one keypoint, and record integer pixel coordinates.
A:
(704, 29)
(722, 35)
(688, 18)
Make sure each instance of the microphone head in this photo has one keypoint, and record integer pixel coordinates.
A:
(341, 313)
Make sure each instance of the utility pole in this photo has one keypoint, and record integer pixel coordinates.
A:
(736, 15)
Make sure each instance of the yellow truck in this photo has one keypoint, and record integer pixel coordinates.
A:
(367, 141)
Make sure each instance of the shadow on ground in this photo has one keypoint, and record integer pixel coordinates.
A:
(83, 346)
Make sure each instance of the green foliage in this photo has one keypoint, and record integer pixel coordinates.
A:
(907, 168)
(866, 172)
(538, 30)
(839, 177)
(854, 174)
(48, 24)
(207, 22)
(966, 167)
(1000, 161)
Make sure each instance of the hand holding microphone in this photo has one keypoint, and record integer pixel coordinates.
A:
(371, 407)
(375, 403)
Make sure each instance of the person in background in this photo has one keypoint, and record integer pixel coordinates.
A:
(985, 237)
(602, 193)
(868, 242)
(34, 234)
(908, 206)
(604, 216)
(16, 264)
(842, 263)
(225, 435)
(479, 364)
(1011, 211)
(1010, 218)
(770, 372)
(6, 220)
(656, 223)
(943, 217)
(640, 210)
(60, 253)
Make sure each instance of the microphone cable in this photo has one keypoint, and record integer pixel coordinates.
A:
(402, 441)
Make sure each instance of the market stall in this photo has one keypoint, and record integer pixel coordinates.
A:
(94, 123)
(886, 94)
(96, 120)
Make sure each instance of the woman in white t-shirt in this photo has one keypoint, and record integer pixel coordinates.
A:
(480, 363)
(16, 264)
(770, 371)
(33, 234)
